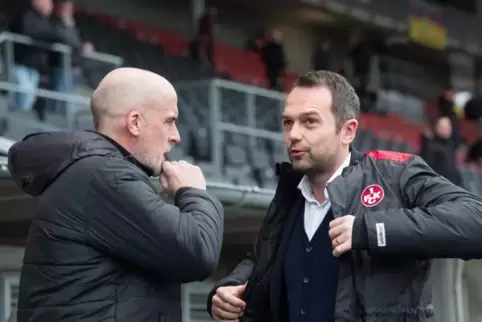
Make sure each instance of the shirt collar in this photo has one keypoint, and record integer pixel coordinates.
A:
(305, 187)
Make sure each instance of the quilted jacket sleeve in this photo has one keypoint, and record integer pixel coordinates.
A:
(442, 220)
(129, 220)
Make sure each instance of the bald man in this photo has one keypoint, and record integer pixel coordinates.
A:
(104, 246)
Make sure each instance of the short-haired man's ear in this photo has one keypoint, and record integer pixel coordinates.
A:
(348, 131)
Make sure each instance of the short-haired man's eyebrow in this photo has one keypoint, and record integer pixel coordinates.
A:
(302, 115)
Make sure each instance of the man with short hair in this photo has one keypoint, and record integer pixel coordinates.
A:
(104, 246)
(347, 237)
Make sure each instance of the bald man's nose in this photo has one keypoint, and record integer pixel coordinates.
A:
(176, 137)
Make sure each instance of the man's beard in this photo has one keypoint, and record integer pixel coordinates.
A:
(312, 166)
(153, 162)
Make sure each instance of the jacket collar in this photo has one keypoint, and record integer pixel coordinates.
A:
(127, 156)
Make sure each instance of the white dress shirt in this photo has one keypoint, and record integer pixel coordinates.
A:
(315, 212)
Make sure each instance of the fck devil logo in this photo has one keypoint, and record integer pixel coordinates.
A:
(372, 195)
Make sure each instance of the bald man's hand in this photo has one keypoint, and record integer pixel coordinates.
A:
(179, 174)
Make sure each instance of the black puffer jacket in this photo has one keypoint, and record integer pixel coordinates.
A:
(405, 215)
(104, 246)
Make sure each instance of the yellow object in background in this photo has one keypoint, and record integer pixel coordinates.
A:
(427, 32)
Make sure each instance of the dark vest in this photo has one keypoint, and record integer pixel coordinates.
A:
(310, 273)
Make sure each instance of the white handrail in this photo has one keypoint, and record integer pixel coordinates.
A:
(22, 39)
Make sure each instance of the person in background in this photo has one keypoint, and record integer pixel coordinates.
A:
(255, 43)
(474, 153)
(473, 108)
(361, 56)
(446, 108)
(322, 56)
(63, 19)
(205, 37)
(30, 61)
(274, 58)
(438, 151)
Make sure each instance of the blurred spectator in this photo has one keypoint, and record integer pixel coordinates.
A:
(322, 56)
(274, 59)
(30, 61)
(255, 43)
(474, 153)
(446, 104)
(438, 151)
(366, 72)
(205, 38)
(473, 108)
(446, 108)
(61, 80)
(6, 11)
(194, 50)
(361, 56)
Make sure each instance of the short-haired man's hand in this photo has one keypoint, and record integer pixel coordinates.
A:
(341, 234)
(178, 174)
(227, 305)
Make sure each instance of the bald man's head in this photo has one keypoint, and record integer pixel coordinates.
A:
(138, 109)
(129, 88)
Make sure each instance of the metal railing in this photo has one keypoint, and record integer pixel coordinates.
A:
(247, 111)
(8, 39)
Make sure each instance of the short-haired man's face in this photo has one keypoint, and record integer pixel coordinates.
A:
(158, 133)
(44, 6)
(310, 130)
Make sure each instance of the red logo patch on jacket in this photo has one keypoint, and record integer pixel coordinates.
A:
(372, 195)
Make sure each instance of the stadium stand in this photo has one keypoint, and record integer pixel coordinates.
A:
(164, 52)
(242, 160)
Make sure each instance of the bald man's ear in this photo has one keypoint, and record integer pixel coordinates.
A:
(134, 123)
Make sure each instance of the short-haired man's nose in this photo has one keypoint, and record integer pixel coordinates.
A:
(295, 132)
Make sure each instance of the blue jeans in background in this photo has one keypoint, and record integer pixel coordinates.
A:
(26, 78)
(62, 83)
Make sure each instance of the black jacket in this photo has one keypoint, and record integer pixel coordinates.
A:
(33, 24)
(419, 216)
(104, 246)
(274, 56)
(72, 36)
(439, 154)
